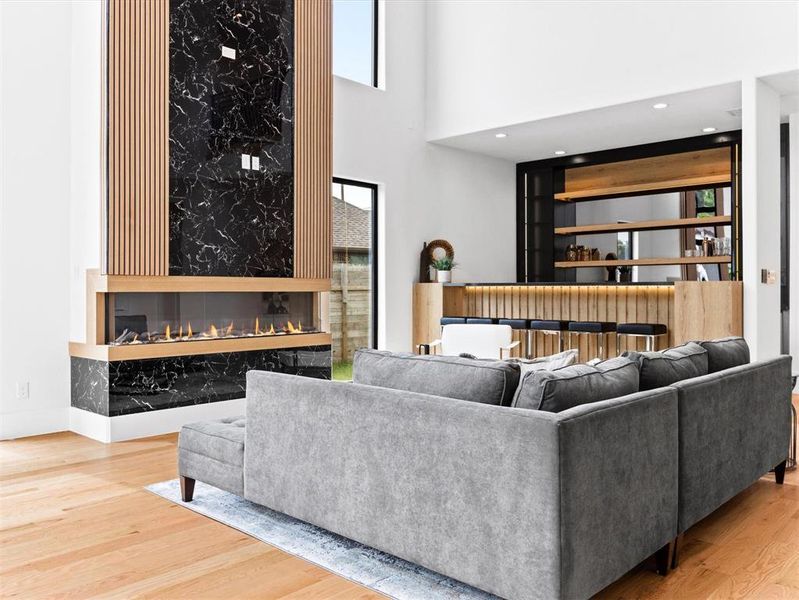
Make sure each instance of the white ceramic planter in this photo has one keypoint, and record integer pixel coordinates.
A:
(443, 276)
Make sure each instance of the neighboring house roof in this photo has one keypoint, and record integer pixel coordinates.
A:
(351, 226)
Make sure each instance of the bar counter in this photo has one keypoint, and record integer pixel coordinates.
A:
(691, 310)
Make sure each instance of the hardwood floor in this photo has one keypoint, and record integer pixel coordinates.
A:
(76, 522)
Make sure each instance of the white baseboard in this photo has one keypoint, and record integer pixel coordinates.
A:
(146, 424)
(25, 423)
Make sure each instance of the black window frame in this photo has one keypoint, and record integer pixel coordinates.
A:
(375, 45)
(373, 250)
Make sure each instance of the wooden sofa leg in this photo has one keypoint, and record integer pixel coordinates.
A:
(779, 472)
(675, 556)
(186, 488)
(664, 558)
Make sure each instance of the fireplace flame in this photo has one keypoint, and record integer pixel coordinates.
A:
(299, 326)
(290, 327)
(180, 331)
(168, 333)
(213, 332)
(190, 332)
(272, 329)
(257, 327)
(229, 329)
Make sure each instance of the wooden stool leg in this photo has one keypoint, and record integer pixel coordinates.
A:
(186, 488)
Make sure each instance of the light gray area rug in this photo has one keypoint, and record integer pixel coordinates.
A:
(377, 570)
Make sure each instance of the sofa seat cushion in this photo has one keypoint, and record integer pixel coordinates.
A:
(475, 380)
(726, 353)
(555, 391)
(659, 369)
(213, 452)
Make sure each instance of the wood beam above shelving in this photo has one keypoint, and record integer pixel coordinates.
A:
(645, 225)
(651, 186)
(643, 262)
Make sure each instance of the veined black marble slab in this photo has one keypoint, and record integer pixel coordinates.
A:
(133, 386)
(224, 219)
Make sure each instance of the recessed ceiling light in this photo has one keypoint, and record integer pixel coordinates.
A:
(500, 135)
(708, 129)
(660, 105)
(560, 152)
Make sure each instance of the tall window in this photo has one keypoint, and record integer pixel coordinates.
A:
(353, 296)
(355, 40)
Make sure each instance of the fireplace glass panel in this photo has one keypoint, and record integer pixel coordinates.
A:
(147, 318)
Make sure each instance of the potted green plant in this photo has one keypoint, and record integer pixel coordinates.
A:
(443, 267)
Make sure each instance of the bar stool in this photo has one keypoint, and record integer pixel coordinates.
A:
(548, 327)
(481, 320)
(453, 321)
(650, 331)
(519, 325)
(601, 329)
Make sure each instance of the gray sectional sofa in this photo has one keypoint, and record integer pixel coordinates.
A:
(520, 502)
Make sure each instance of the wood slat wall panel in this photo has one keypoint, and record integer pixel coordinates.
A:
(136, 215)
(313, 154)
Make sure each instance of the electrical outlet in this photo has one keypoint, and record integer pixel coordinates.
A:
(23, 390)
(256, 163)
(229, 53)
(245, 161)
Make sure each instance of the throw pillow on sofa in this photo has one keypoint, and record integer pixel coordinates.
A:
(555, 391)
(726, 353)
(476, 380)
(548, 363)
(659, 369)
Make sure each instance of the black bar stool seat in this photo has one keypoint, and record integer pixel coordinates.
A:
(549, 325)
(641, 329)
(592, 326)
(481, 320)
(516, 323)
(453, 321)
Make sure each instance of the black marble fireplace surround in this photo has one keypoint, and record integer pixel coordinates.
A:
(133, 386)
(225, 219)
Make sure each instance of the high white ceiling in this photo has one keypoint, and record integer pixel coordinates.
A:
(621, 125)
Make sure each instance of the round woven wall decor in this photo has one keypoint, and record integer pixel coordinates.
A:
(438, 249)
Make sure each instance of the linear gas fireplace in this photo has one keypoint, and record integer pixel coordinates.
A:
(169, 317)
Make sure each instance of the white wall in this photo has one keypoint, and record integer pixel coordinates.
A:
(50, 205)
(499, 62)
(426, 191)
(34, 239)
(86, 159)
(760, 216)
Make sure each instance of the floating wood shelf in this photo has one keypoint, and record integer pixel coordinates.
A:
(643, 262)
(653, 186)
(135, 283)
(191, 348)
(645, 225)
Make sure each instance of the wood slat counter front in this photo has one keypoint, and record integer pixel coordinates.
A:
(691, 310)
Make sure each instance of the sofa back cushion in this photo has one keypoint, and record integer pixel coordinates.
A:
(726, 353)
(546, 363)
(659, 369)
(555, 391)
(485, 381)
